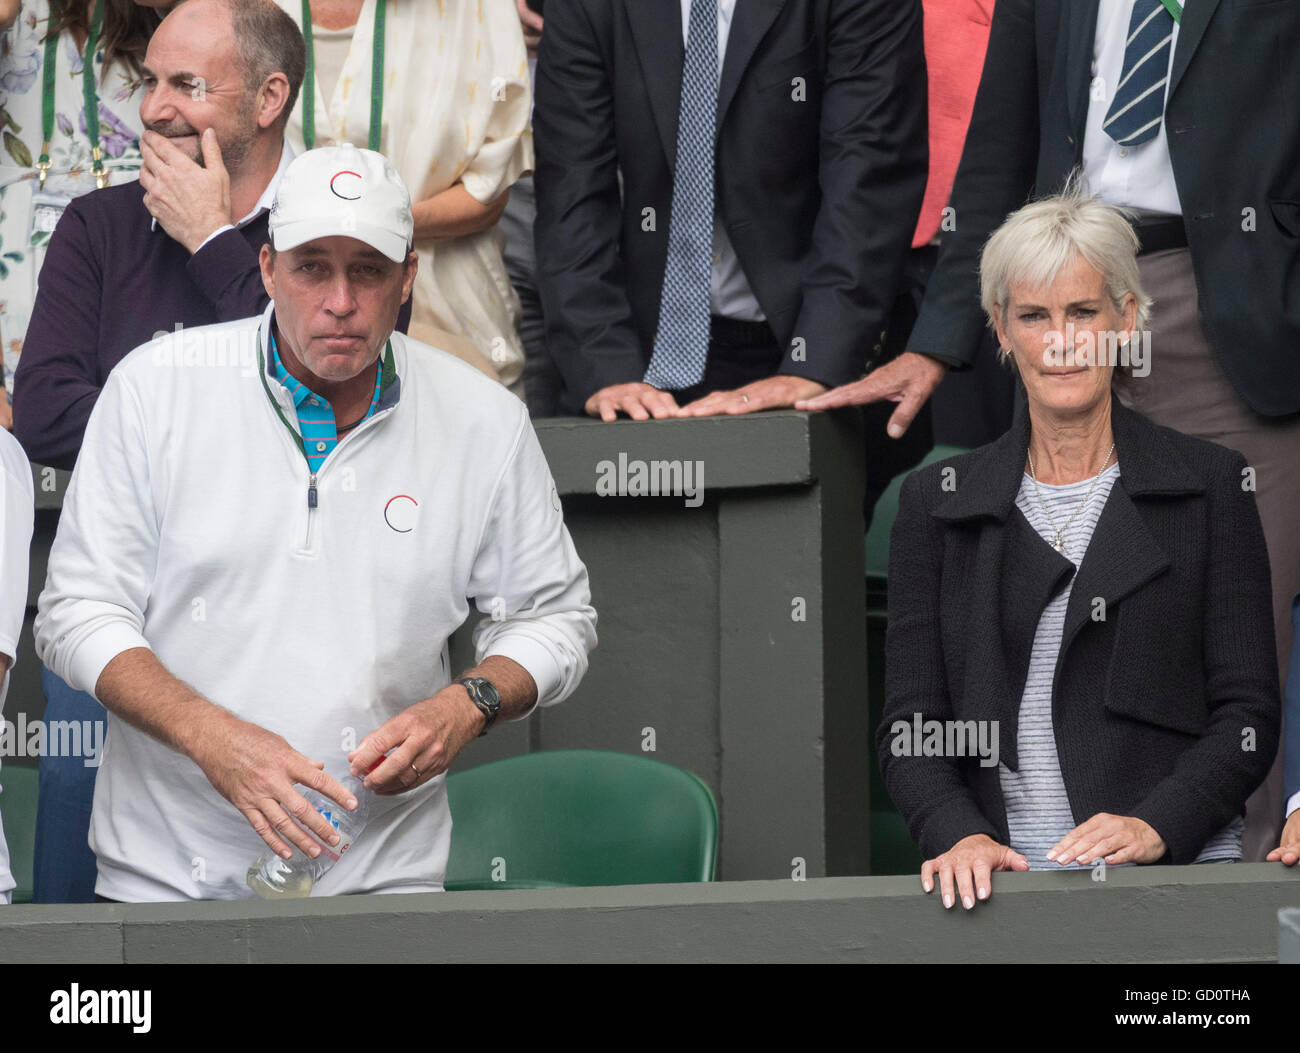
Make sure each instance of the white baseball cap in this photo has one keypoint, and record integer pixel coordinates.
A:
(343, 190)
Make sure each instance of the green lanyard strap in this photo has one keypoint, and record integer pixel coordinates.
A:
(89, 94)
(376, 78)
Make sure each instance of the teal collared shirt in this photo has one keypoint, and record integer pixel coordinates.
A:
(316, 422)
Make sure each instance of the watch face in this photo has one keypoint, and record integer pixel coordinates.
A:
(484, 691)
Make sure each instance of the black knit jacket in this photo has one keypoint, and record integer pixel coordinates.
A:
(1167, 707)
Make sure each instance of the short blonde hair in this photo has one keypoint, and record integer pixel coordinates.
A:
(1034, 243)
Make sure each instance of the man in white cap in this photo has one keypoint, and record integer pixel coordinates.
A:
(261, 558)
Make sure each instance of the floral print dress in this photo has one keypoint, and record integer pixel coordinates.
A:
(22, 59)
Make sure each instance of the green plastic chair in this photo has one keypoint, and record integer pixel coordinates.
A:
(18, 809)
(886, 511)
(563, 818)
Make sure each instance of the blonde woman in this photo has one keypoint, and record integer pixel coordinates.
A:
(1089, 595)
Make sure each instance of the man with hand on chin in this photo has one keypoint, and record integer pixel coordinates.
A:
(257, 572)
(179, 247)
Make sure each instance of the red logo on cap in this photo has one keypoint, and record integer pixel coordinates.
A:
(334, 190)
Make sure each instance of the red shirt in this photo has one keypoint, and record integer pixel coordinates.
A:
(956, 37)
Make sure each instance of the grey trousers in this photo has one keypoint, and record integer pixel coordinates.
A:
(1186, 390)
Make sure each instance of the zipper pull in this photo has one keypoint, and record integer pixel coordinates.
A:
(311, 491)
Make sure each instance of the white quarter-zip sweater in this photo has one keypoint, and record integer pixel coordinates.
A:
(187, 529)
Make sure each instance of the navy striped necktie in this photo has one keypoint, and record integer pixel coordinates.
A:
(682, 339)
(1139, 104)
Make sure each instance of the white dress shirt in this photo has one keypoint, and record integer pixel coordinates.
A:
(729, 293)
(1134, 176)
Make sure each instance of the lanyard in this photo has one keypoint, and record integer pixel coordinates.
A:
(89, 94)
(1175, 9)
(376, 78)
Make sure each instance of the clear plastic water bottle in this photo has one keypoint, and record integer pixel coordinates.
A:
(274, 877)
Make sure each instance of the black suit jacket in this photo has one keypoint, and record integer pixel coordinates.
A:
(1154, 706)
(820, 166)
(1233, 124)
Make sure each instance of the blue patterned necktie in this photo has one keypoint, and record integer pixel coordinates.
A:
(1135, 113)
(682, 340)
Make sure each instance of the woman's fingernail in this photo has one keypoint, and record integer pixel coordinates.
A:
(947, 901)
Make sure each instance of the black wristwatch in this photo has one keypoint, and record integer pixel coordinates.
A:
(485, 696)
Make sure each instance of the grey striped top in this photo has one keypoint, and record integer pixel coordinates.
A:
(1038, 810)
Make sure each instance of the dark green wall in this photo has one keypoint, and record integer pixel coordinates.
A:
(1158, 915)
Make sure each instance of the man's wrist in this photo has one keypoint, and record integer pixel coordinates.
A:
(209, 724)
(948, 362)
(215, 233)
(638, 379)
(457, 695)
